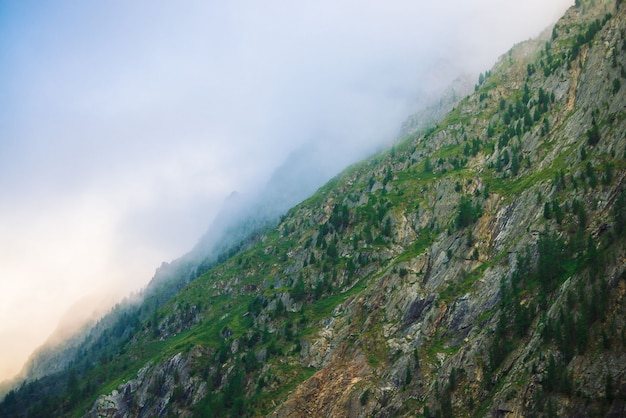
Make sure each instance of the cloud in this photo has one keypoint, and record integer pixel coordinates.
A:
(124, 125)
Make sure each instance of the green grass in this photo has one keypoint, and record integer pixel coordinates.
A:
(485, 315)
(462, 287)
(322, 308)
(437, 345)
(423, 241)
(294, 374)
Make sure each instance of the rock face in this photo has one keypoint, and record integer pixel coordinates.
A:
(474, 269)
(154, 392)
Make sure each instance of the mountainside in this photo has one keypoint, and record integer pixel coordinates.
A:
(237, 226)
(474, 269)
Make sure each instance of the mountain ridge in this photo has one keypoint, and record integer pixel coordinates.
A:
(461, 272)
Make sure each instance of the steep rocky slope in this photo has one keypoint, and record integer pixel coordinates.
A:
(476, 269)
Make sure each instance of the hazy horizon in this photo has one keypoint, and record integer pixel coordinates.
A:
(124, 126)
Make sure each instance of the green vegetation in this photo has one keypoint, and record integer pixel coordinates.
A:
(392, 265)
(467, 213)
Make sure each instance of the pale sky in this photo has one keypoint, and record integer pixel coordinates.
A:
(124, 124)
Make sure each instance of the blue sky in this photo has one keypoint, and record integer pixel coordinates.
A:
(124, 125)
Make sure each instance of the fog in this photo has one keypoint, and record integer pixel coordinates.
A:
(124, 125)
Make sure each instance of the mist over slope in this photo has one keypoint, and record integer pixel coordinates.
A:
(125, 125)
(473, 269)
(238, 225)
